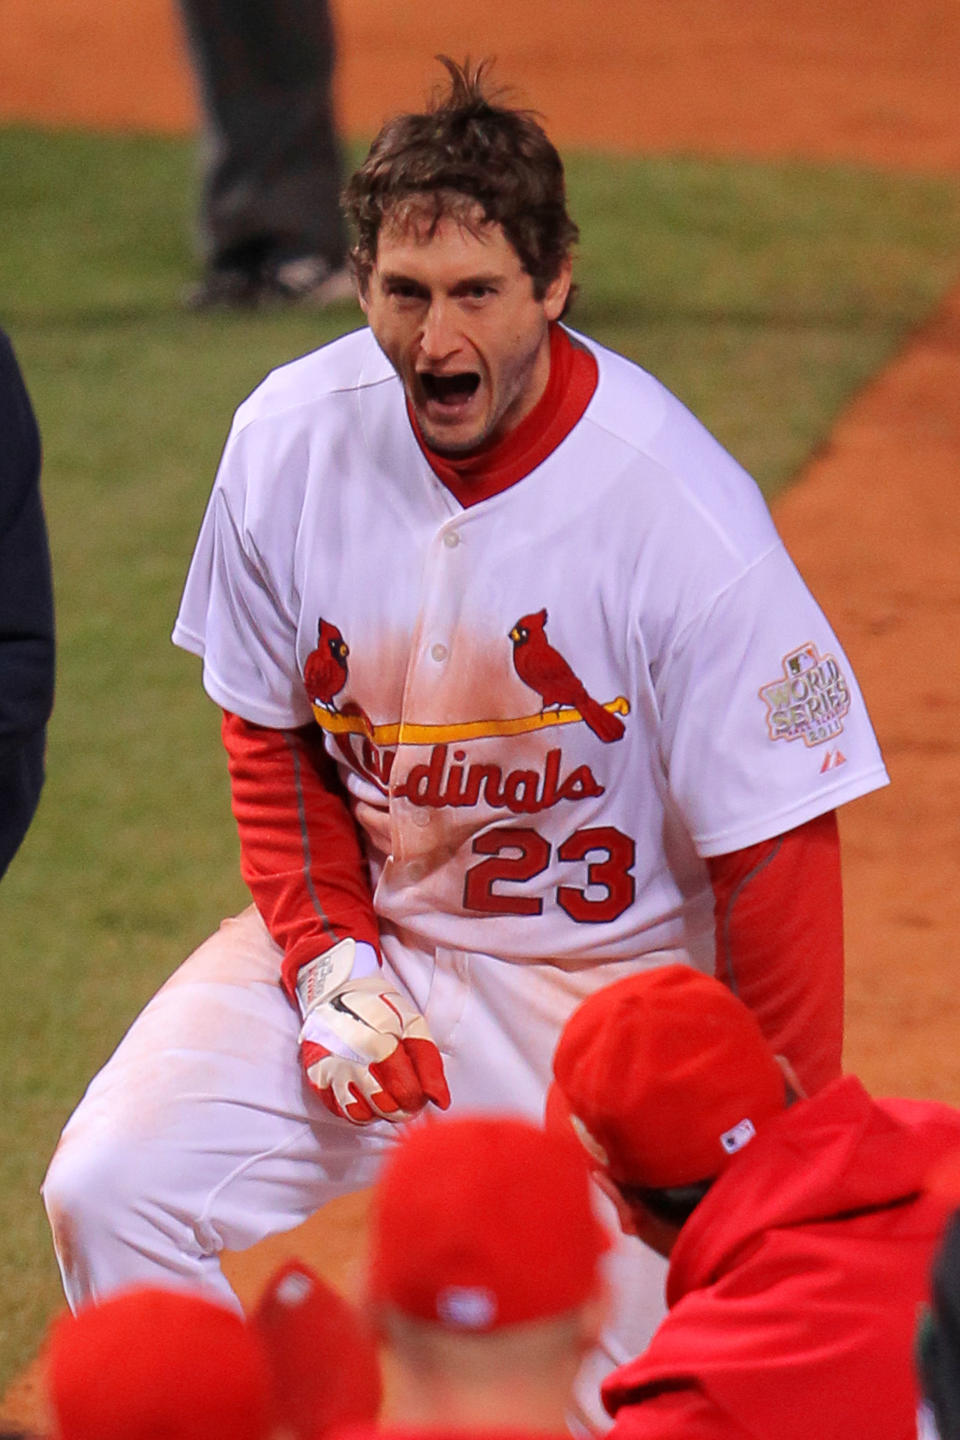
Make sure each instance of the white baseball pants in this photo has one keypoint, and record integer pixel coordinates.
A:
(200, 1134)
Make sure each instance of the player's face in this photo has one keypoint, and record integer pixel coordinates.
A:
(455, 313)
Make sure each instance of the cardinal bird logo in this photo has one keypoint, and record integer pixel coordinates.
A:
(325, 671)
(544, 669)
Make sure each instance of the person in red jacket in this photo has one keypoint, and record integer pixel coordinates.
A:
(798, 1230)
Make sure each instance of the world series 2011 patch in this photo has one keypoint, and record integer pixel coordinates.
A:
(808, 702)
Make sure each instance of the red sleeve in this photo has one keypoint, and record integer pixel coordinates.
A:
(299, 850)
(778, 908)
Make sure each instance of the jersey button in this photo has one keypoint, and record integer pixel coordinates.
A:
(451, 539)
(438, 652)
(422, 818)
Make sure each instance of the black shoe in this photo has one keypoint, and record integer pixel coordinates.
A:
(230, 287)
(307, 280)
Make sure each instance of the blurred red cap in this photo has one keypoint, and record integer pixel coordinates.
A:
(665, 1076)
(149, 1362)
(484, 1222)
(323, 1359)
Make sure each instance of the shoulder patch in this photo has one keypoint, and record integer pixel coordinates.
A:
(809, 700)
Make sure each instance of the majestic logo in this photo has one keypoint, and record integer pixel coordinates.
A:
(809, 701)
(446, 780)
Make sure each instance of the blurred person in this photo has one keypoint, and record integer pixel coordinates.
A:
(484, 1277)
(271, 229)
(938, 1342)
(26, 611)
(798, 1230)
(938, 1339)
(155, 1364)
(322, 1356)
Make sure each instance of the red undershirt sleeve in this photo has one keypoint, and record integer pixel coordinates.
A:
(778, 909)
(300, 854)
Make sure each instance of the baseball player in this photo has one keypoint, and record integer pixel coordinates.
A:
(800, 1231)
(521, 692)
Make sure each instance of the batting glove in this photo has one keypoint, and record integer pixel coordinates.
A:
(365, 1049)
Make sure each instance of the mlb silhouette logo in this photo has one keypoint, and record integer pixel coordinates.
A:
(801, 660)
(735, 1139)
(467, 1307)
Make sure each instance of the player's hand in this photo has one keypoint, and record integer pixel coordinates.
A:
(365, 1049)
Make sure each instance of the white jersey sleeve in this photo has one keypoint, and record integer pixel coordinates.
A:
(241, 605)
(763, 726)
(234, 615)
(761, 723)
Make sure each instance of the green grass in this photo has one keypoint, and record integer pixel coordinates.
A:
(764, 295)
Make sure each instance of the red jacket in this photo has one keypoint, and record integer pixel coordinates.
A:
(794, 1287)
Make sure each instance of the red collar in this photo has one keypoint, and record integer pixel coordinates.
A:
(485, 472)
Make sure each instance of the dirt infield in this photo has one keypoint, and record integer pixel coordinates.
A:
(870, 80)
(874, 524)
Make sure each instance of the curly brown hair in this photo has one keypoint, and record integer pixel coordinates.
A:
(466, 150)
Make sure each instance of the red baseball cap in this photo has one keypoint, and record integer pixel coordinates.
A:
(149, 1362)
(665, 1076)
(323, 1359)
(484, 1222)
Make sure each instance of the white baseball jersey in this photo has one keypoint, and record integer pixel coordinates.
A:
(550, 706)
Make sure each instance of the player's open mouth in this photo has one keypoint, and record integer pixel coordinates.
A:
(450, 392)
